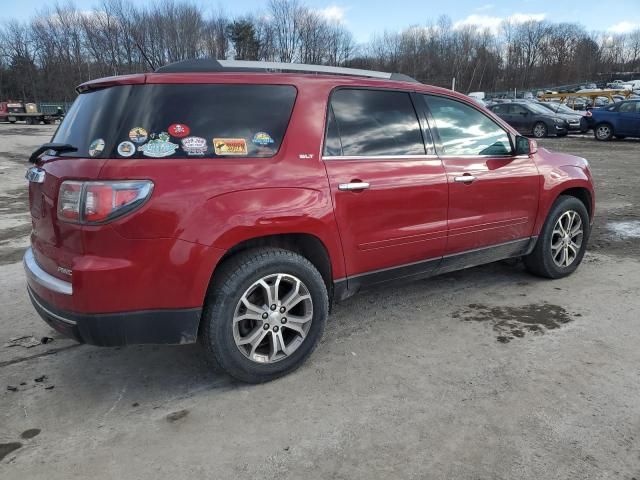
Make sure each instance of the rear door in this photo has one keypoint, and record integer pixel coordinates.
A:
(521, 118)
(389, 191)
(493, 194)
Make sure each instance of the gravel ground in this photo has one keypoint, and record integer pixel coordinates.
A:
(488, 373)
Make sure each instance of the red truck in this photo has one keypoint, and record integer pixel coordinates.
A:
(214, 201)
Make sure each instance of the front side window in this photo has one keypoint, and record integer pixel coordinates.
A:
(466, 131)
(375, 123)
(178, 121)
(629, 107)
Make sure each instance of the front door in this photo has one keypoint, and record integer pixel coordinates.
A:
(629, 121)
(389, 192)
(493, 194)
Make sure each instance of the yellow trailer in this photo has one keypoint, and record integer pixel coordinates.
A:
(567, 97)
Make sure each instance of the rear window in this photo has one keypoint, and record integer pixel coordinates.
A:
(178, 121)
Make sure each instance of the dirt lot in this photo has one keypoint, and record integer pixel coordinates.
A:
(484, 374)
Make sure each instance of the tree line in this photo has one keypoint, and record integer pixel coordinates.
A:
(62, 46)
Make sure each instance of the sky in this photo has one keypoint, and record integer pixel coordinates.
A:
(366, 17)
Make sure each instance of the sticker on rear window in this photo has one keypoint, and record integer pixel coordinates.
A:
(159, 147)
(126, 149)
(96, 147)
(178, 130)
(230, 146)
(194, 145)
(262, 139)
(138, 135)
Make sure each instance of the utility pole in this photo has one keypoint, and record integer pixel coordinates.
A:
(453, 84)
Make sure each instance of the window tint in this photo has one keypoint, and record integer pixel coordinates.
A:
(376, 122)
(502, 108)
(332, 146)
(465, 131)
(518, 110)
(178, 121)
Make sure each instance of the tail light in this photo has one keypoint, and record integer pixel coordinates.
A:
(101, 202)
(533, 146)
(588, 114)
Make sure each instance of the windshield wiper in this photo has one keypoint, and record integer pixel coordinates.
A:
(56, 147)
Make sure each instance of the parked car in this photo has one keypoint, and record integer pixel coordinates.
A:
(577, 121)
(620, 120)
(531, 119)
(158, 221)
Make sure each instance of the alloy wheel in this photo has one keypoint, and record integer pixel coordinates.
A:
(272, 318)
(539, 130)
(566, 238)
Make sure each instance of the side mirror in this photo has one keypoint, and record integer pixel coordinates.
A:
(525, 146)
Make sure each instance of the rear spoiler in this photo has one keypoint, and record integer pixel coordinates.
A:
(134, 79)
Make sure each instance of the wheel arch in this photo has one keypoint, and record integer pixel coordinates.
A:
(308, 245)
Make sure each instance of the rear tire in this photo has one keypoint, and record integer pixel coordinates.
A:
(603, 132)
(251, 340)
(562, 241)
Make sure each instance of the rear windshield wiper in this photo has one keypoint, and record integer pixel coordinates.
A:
(56, 147)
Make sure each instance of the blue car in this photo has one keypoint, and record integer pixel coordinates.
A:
(620, 120)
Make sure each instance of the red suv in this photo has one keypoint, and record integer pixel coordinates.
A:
(222, 202)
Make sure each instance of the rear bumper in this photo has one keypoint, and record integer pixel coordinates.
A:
(153, 326)
(127, 328)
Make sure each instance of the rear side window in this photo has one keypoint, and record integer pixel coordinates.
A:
(466, 131)
(179, 121)
(500, 109)
(374, 123)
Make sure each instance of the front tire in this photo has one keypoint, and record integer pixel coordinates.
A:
(540, 130)
(264, 314)
(562, 241)
(603, 132)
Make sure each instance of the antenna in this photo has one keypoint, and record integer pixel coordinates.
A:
(144, 55)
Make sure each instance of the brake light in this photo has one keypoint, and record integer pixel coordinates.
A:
(533, 146)
(100, 202)
(588, 114)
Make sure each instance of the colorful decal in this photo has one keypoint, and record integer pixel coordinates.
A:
(230, 146)
(178, 130)
(126, 149)
(194, 145)
(262, 139)
(159, 147)
(96, 147)
(138, 135)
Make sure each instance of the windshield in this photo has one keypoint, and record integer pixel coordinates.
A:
(178, 121)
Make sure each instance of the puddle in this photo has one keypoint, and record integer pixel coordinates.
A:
(626, 229)
(515, 322)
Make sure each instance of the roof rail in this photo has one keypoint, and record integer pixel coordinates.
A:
(210, 65)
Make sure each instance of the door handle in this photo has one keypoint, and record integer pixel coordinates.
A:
(346, 187)
(465, 178)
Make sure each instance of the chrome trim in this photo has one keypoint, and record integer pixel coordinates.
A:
(380, 157)
(34, 299)
(464, 179)
(346, 187)
(38, 275)
(35, 175)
